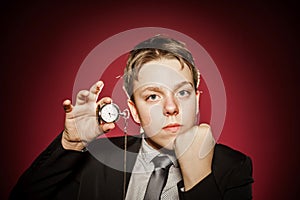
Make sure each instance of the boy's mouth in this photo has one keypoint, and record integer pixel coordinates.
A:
(172, 127)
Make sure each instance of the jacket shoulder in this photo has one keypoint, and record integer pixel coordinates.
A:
(228, 156)
(231, 168)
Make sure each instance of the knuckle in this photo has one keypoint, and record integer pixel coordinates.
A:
(204, 127)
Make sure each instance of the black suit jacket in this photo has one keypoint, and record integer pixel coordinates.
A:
(64, 174)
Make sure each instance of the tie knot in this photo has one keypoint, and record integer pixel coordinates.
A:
(162, 162)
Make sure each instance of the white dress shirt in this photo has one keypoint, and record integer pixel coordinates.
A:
(142, 171)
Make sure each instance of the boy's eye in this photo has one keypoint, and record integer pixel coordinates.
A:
(183, 93)
(152, 97)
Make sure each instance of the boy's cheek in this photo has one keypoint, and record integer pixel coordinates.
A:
(153, 119)
(189, 113)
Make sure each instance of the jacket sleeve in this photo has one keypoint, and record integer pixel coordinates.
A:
(231, 182)
(51, 173)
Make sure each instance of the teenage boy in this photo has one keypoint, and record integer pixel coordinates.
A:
(161, 82)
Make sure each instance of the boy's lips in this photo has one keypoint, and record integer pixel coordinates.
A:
(172, 127)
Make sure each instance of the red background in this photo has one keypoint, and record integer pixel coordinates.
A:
(254, 45)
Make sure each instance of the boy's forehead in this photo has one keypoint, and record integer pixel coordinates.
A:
(167, 73)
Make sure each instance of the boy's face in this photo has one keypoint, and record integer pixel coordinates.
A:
(166, 103)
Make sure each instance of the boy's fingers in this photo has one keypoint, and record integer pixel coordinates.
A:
(97, 88)
(104, 100)
(107, 127)
(68, 107)
(82, 97)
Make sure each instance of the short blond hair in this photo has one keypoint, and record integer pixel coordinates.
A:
(156, 48)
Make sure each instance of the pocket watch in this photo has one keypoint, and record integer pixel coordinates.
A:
(108, 113)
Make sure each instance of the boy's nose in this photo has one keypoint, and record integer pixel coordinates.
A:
(171, 106)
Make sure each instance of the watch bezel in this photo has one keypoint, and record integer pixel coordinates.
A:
(99, 109)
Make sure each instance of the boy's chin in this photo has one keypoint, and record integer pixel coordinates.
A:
(167, 146)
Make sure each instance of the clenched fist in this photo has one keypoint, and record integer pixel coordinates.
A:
(194, 151)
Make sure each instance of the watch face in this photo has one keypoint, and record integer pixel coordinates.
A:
(109, 113)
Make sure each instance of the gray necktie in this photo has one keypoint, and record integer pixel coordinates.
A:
(158, 177)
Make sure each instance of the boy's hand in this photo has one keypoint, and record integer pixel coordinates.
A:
(81, 124)
(194, 151)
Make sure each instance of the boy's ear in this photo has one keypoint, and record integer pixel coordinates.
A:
(133, 111)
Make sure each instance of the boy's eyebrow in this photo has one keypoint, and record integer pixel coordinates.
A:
(159, 88)
(179, 85)
(152, 88)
